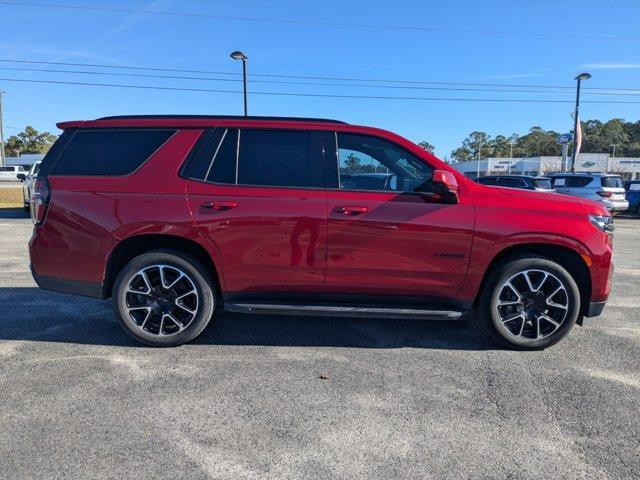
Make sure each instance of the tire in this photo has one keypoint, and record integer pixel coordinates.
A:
(529, 314)
(169, 316)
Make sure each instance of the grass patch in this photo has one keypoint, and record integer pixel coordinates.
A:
(11, 197)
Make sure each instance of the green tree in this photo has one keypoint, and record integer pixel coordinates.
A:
(29, 141)
(426, 146)
(461, 154)
(476, 145)
(353, 164)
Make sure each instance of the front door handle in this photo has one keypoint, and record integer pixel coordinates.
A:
(220, 205)
(350, 211)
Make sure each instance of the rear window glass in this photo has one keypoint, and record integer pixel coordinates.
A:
(109, 152)
(511, 182)
(571, 182)
(486, 181)
(542, 183)
(611, 182)
(280, 158)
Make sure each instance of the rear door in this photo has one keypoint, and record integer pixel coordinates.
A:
(396, 240)
(257, 196)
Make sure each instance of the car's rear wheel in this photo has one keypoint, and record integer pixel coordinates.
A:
(529, 303)
(164, 298)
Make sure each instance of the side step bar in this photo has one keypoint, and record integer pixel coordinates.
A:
(342, 311)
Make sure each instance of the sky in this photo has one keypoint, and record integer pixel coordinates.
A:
(509, 44)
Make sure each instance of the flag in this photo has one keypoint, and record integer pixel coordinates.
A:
(578, 134)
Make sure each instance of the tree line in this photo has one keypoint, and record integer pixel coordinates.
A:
(597, 137)
(29, 141)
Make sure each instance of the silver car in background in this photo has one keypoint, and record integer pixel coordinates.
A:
(29, 182)
(600, 187)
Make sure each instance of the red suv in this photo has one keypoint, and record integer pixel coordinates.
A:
(173, 215)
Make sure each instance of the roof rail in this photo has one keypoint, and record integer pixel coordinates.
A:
(226, 117)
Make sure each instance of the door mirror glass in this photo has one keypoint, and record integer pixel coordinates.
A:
(445, 186)
(21, 176)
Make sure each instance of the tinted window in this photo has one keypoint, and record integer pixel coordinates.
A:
(214, 157)
(571, 182)
(108, 152)
(280, 158)
(371, 163)
(611, 182)
(578, 182)
(542, 183)
(223, 168)
(52, 155)
(487, 181)
(511, 182)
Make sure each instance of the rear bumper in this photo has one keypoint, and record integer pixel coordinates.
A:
(595, 308)
(65, 285)
(616, 206)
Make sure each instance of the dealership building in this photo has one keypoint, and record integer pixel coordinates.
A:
(627, 167)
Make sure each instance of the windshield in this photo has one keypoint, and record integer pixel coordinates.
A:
(611, 182)
(542, 183)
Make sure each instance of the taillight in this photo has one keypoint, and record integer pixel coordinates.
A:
(40, 200)
(605, 194)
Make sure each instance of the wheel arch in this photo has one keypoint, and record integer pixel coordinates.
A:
(133, 246)
(567, 257)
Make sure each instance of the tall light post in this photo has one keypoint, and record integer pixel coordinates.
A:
(237, 55)
(579, 78)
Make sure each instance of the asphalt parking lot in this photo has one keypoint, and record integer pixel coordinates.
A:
(403, 399)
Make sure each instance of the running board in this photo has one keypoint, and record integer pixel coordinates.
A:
(342, 311)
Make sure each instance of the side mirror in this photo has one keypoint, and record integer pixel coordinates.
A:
(445, 186)
(21, 176)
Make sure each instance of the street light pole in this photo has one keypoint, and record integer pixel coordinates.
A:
(579, 78)
(2, 152)
(237, 55)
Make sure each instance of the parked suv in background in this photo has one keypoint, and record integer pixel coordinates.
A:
(28, 182)
(525, 182)
(10, 173)
(600, 187)
(632, 189)
(172, 215)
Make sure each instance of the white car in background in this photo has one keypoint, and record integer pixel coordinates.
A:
(600, 187)
(9, 173)
(29, 182)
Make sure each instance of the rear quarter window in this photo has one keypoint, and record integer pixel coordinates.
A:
(112, 152)
(611, 182)
(542, 183)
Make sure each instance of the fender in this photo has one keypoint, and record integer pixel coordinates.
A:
(485, 250)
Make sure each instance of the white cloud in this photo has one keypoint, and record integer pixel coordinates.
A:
(611, 66)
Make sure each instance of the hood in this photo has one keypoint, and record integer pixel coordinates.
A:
(516, 197)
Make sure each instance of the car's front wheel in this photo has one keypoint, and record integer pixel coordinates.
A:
(164, 298)
(529, 303)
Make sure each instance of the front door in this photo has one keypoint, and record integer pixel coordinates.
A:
(387, 235)
(258, 198)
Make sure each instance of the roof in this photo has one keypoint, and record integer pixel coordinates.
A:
(582, 174)
(226, 117)
(187, 121)
(498, 175)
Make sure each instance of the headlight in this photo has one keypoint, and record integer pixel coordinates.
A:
(602, 222)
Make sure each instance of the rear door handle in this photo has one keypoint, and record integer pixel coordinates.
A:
(220, 205)
(349, 210)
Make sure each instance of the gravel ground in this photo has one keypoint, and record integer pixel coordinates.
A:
(403, 399)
